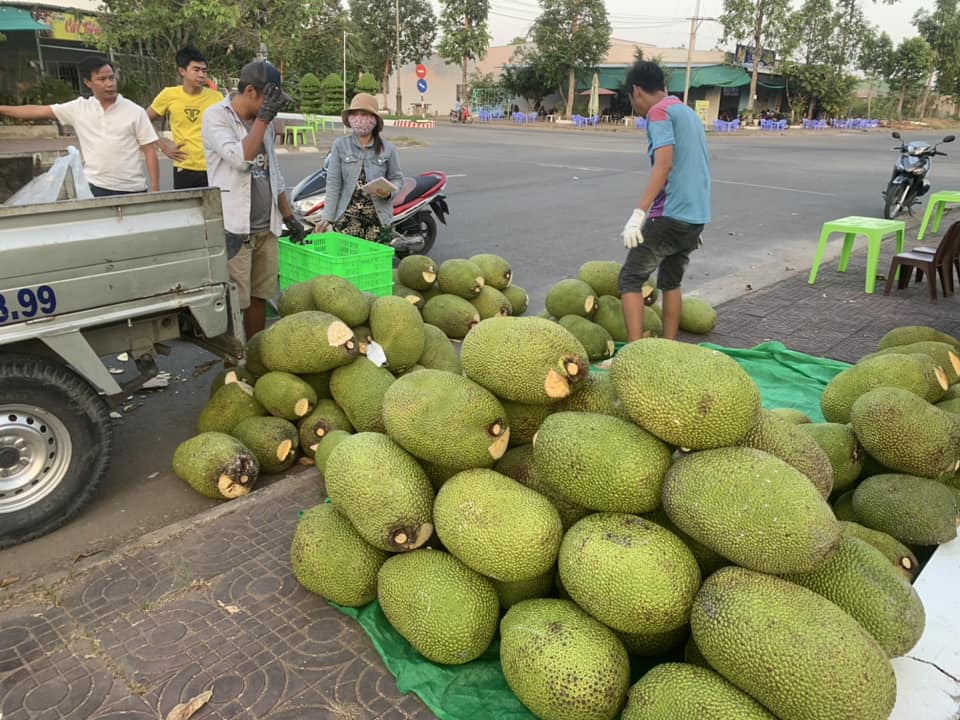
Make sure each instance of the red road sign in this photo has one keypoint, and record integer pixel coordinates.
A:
(421, 71)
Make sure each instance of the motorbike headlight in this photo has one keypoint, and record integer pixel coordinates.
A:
(919, 170)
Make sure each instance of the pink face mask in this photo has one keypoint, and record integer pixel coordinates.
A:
(362, 125)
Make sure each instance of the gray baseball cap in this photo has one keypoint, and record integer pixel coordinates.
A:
(260, 74)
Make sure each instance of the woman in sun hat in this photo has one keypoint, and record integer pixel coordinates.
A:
(355, 160)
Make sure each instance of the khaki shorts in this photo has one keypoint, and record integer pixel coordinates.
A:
(254, 269)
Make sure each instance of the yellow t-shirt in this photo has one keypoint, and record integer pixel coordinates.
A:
(186, 120)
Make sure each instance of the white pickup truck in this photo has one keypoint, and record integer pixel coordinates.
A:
(79, 280)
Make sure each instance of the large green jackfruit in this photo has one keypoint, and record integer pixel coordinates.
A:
(916, 373)
(417, 272)
(311, 341)
(519, 299)
(795, 652)
(216, 465)
(398, 328)
(231, 375)
(909, 334)
(497, 526)
(326, 417)
(697, 316)
(601, 275)
(330, 559)
(629, 573)
(752, 508)
(914, 510)
(451, 313)
(230, 404)
(325, 446)
(897, 554)
(601, 462)
(438, 351)
(791, 444)
(285, 395)
(596, 340)
(296, 298)
(382, 491)
(571, 297)
(517, 463)
(446, 419)
(672, 691)
(906, 433)
(490, 302)
(858, 578)
(843, 449)
(944, 354)
(253, 355)
(445, 610)
(609, 316)
(497, 273)
(528, 360)
(273, 440)
(561, 663)
(460, 277)
(686, 395)
(338, 296)
(358, 388)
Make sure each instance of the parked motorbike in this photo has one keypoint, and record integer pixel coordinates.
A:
(463, 116)
(908, 182)
(414, 227)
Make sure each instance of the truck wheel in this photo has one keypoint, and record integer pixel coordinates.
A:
(55, 446)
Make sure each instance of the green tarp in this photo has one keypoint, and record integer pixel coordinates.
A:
(14, 19)
(709, 76)
(478, 689)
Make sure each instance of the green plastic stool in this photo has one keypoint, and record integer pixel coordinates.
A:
(938, 202)
(875, 229)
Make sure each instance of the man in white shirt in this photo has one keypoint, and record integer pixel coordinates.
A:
(115, 134)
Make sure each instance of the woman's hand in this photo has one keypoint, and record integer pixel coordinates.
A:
(382, 193)
(322, 226)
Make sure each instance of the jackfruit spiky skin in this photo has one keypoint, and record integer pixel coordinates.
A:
(451, 313)
(752, 508)
(697, 316)
(914, 510)
(253, 355)
(438, 352)
(897, 554)
(519, 299)
(528, 360)
(571, 297)
(594, 394)
(326, 417)
(517, 463)
(678, 690)
(231, 375)
(445, 610)
(843, 449)
(708, 560)
(580, 456)
(791, 444)
(340, 297)
(496, 271)
(409, 294)
(609, 316)
(325, 446)
(843, 507)
(647, 645)
(596, 340)
(490, 302)
(909, 334)
(418, 272)
(382, 491)
(228, 406)
(273, 440)
(285, 395)
(296, 298)
(358, 388)
(693, 656)
(944, 354)
(460, 277)
(536, 638)
(631, 574)
(886, 421)
(311, 341)
(320, 382)
(652, 323)
(860, 579)
(216, 465)
(688, 396)
(497, 526)
(524, 420)
(792, 415)
(603, 276)
(791, 649)
(510, 593)
(330, 559)
(951, 406)
(397, 327)
(916, 373)
(446, 419)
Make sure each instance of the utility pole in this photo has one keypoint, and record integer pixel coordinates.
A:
(397, 61)
(344, 68)
(694, 23)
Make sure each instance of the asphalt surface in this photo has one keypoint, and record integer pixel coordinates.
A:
(547, 200)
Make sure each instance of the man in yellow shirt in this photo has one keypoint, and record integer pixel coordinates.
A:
(185, 104)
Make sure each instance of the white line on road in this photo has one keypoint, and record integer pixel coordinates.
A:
(457, 175)
(774, 187)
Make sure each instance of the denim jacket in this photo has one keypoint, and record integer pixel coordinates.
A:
(343, 170)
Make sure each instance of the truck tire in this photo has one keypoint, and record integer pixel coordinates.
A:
(55, 446)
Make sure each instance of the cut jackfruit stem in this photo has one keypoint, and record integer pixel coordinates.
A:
(499, 446)
(955, 361)
(906, 563)
(479, 286)
(589, 303)
(572, 368)
(942, 378)
(284, 449)
(301, 407)
(410, 538)
(428, 276)
(339, 333)
(231, 489)
(556, 385)
(313, 448)
(231, 377)
(246, 387)
(496, 429)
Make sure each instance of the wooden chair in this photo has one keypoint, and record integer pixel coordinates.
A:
(930, 250)
(940, 263)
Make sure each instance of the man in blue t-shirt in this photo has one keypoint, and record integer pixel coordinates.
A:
(665, 227)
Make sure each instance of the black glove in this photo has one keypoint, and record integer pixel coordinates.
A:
(295, 230)
(273, 102)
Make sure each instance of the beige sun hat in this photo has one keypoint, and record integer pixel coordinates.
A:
(367, 103)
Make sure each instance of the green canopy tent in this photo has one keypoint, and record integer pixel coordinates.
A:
(16, 20)
(709, 76)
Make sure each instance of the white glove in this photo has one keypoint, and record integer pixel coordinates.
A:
(632, 235)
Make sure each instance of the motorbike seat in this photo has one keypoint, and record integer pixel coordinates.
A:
(415, 187)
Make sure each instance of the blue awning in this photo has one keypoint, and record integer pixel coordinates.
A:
(14, 19)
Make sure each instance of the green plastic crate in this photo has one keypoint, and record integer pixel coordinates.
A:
(367, 265)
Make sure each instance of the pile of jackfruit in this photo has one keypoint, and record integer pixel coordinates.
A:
(653, 515)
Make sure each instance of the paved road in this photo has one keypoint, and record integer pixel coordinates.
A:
(548, 201)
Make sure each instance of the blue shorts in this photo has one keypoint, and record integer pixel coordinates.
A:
(666, 248)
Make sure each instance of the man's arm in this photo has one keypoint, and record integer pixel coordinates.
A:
(167, 146)
(662, 164)
(254, 138)
(153, 167)
(28, 112)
